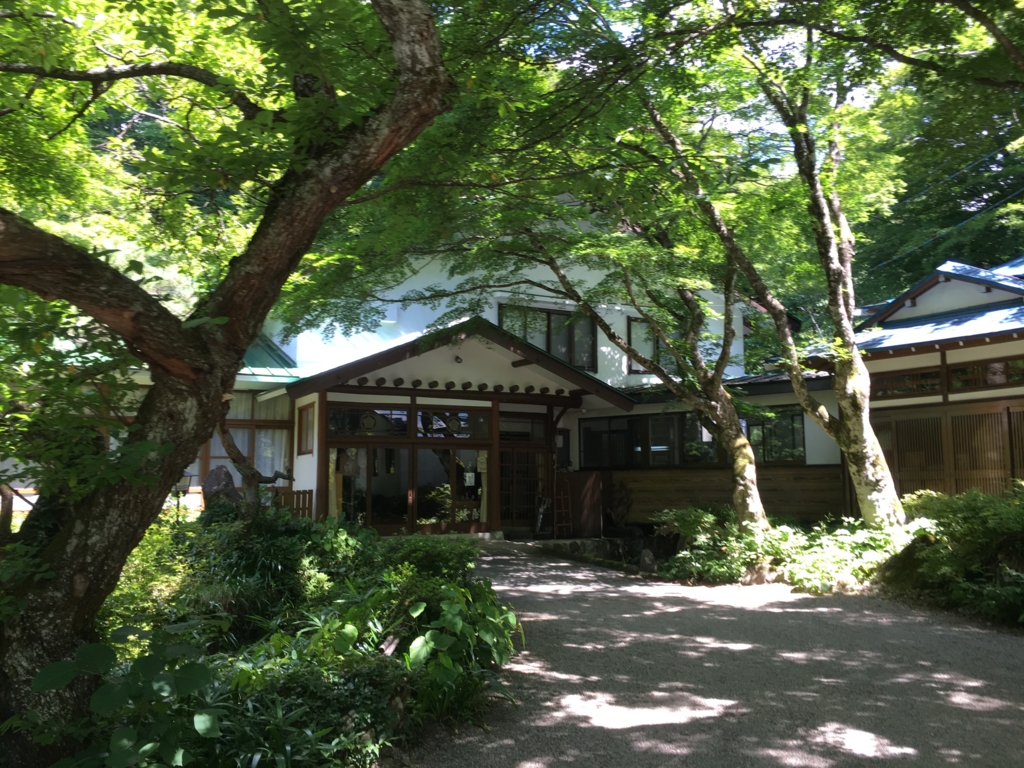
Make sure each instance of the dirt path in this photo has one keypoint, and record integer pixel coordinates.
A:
(621, 672)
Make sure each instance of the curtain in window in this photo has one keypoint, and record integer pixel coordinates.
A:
(277, 409)
(271, 451)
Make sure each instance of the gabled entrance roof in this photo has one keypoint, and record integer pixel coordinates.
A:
(525, 353)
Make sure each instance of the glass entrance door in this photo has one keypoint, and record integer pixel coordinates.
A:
(524, 482)
(369, 486)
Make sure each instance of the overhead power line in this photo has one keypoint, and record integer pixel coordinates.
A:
(946, 231)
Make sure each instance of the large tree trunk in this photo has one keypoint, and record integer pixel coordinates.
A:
(869, 472)
(746, 497)
(193, 369)
(86, 553)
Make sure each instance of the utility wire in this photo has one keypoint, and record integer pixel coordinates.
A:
(946, 231)
(951, 176)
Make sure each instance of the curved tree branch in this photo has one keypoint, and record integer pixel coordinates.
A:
(301, 201)
(96, 75)
(993, 29)
(54, 268)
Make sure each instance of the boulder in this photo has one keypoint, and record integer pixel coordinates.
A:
(631, 569)
(758, 573)
(648, 564)
(220, 483)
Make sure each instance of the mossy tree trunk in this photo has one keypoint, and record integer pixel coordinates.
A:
(84, 545)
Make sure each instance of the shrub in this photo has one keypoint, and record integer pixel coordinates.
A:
(443, 557)
(351, 639)
(969, 554)
(713, 549)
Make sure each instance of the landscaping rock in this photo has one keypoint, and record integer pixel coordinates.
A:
(220, 483)
(758, 573)
(632, 570)
(648, 564)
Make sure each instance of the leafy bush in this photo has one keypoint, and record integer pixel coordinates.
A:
(461, 650)
(442, 557)
(713, 549)
(279, 642)
(969, 554)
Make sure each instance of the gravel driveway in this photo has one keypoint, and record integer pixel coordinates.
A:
(622, 672)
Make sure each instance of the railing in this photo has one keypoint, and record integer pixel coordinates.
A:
(299, 502)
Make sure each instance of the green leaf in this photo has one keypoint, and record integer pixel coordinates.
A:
(123, 739)
(436, 640)
(96, 657)
(191, 677)
(148, 667)
(417, 609)
(55, 676)
(163, 685)
(345, 638)
(451, 622)
(206, 722)
(182, 651)
(124, 634)
(108, 699)
(419, 652)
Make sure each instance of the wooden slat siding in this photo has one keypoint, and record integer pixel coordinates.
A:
(806, 493)
(586, 503)
(956, 447)
(920, 464)
(299, 502)
(980, 451)
(1017, 442)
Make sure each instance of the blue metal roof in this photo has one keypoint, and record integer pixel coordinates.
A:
(973, 322)
(984, 276)
(953, 269)
(1014, 267)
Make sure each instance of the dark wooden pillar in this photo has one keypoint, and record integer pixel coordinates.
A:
(321, 457)
(494, 471)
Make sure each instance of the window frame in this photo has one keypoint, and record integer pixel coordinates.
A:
(301, 430)
(765, 425)
(644, 432)
(548, 313)
(948, 373)
(889, 375)
(657, 347)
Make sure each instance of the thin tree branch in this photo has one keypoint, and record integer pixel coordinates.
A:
(989, 23)
(247, 106)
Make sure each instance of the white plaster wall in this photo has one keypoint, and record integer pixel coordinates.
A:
(304, 466)
(955, 294)
(903, 363)
(315, 354)
(985, 352)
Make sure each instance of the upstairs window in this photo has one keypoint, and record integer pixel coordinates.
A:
(992, 373)
(641, 338)
(574, 342)
(923, 381)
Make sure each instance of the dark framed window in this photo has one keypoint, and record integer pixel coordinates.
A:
(571, 341)
(655, 440)
(368, 422)
(641, 338)
(458, 424)
(986, 373)
(614, 442)
(307, 428)
(522, 428)
(922, 381)
(778, 437)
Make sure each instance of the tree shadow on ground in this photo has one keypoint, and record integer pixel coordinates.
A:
(618, 671)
